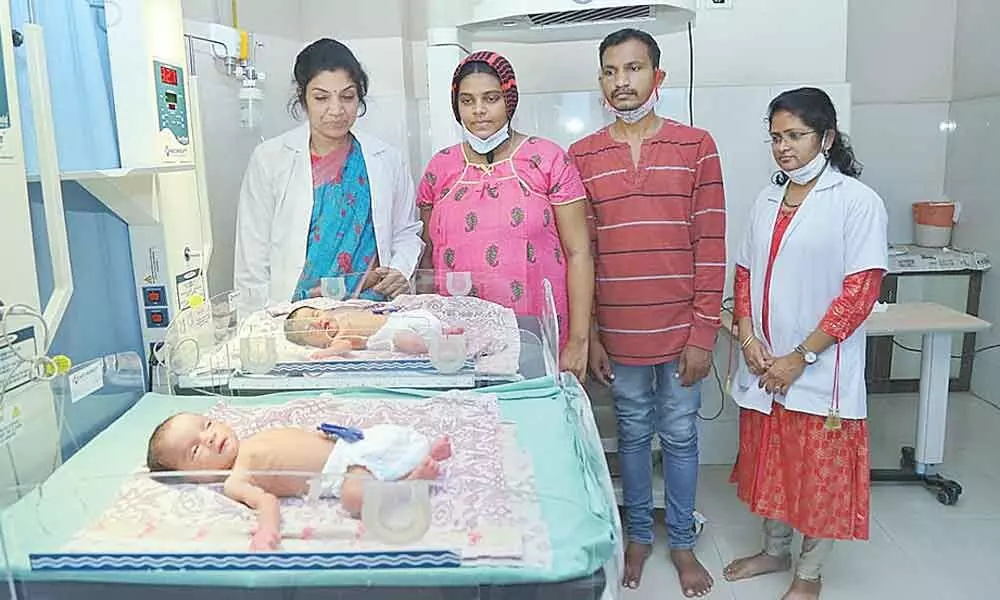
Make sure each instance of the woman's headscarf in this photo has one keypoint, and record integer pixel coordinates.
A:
(504, 71)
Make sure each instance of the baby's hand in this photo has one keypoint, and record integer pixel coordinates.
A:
(265, 540)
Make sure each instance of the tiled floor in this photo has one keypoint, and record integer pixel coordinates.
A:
(919, 549)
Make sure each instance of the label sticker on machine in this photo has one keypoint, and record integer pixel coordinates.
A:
(85, 381)
(191, 297)
(6, 149)
(11, 423)
(13, 371)
(189, 284)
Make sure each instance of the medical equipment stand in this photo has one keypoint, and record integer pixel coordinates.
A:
(937, 324)
(917, 465)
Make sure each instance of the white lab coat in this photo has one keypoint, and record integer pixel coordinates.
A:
(838, 231)
(275, 208)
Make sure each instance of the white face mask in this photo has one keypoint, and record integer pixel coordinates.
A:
(813, 169)
(481, 146)
(636, 114)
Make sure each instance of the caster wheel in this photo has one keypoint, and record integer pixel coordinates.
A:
(948, 495)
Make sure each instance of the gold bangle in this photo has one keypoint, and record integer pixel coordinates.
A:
(747, 341)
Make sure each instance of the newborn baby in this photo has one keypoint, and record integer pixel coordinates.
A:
(190, 442)
(341, 330)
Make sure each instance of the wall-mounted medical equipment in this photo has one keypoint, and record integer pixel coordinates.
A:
(147, 61)
(540, 21)
(236, 50)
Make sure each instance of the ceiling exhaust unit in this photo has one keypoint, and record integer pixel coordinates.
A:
(539, 21)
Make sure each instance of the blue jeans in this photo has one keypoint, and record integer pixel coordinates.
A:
(651, 400)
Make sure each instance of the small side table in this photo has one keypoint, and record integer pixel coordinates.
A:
(912, 261)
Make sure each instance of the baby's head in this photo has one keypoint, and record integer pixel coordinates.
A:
(307, 326)
(190, 442)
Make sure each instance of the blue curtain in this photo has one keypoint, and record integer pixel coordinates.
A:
(103, 315)
(76, 45)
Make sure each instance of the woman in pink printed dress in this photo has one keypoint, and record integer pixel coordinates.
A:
(509, 209)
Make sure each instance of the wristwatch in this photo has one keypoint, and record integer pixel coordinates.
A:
(807, 355)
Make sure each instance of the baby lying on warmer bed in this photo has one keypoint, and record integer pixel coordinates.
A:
(190, 442)
(340, 330)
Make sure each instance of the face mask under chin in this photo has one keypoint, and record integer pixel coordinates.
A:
(813, 169)
(489, 144)
(634, 115)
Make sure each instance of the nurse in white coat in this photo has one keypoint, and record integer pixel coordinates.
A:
(808, 275)
(322, 201)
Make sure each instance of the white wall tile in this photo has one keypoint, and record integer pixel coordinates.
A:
(349, 19)
(973, 156)
(258, 16)
(977, 48)
(903, 151)
(901, 50)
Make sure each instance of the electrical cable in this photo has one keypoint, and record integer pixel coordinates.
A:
(718, 377)
(957, 356)
(453, 45)
(691, 75)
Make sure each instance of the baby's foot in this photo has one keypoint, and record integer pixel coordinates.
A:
(427, 470)
(441, 450)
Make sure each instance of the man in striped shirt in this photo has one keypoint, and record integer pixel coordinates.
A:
(658, 225)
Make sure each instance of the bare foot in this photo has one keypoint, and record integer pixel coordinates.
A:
(695, 579)
(428, 469)
(758, 564)
(409, 342)
(635, 559)
(441, 450)
(803, 590)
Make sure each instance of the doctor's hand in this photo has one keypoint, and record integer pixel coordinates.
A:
(390, 282)
(782, 374)
(695, 365)
(758, 357)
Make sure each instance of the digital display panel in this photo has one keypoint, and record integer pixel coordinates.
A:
(168, 75)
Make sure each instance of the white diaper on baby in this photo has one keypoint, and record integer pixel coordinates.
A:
(389, 452)
(421, 322)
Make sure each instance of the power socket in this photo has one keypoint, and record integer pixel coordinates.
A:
(717, 3)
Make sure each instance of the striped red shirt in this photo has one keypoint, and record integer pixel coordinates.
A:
(659, 241)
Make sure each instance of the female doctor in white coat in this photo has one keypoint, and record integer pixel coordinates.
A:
(808, 274)
(322, 201)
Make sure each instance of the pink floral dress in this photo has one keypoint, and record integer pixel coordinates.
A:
(499, 223)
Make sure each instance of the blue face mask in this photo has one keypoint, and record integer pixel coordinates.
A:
(485, 146)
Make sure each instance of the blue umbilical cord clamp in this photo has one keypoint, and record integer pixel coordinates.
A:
(348, 434)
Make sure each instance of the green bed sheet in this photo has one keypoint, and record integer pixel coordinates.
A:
(568, 463)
